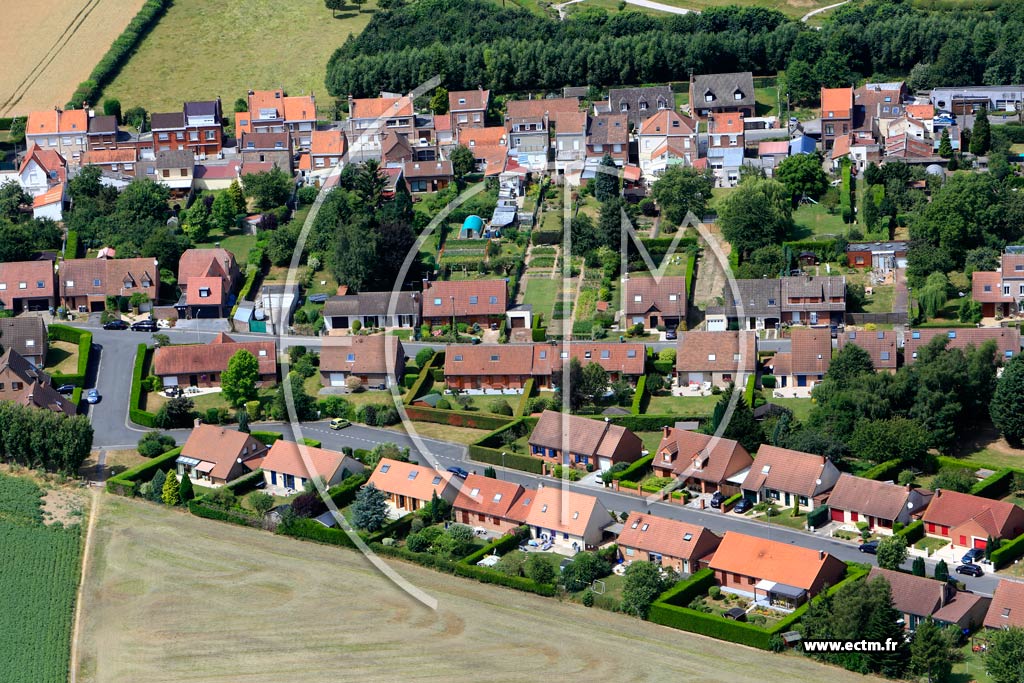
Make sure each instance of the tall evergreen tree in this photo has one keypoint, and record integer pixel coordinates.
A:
(1007, 406)
(945, 144)
(606, 183)
(185, 490)
(930, 652)
(981, 134)
(170, 492)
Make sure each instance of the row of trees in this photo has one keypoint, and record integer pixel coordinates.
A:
(21, 235)
(41, 439)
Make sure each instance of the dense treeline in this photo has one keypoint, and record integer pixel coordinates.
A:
(21, 235)
(511, 50)
(43, 439)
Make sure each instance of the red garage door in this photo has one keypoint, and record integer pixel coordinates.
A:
(980, 543)
(837, 516)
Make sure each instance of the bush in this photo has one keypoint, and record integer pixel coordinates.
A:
(1008, 552)
(153, 444)
(884, 471)
(307, 194)
(913, 532)
(136, 414)
(996, 485)
(125, 484)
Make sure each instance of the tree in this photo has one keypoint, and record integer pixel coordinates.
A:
(850, 364)
(933, 296)
(370, 509)
(112, 107)
(490, 473)
(575, 393)
(606, 183)
(595, 380)
(355, 251)
(223, 212)
(641, 587)
(424, 356)
(463, 161)
(243, 420)
(12, 199)
(177, 412)
(756, 214)
(169, 492)
(1007, 406)
(609, 223)
(17, 132)
(185, 490)
(237, 197)
(334, 6)
(136, 117)
(981, 134)
(153, 444)
(931, 652)
(370, 183)
(438, 509)
(238, 382)
(918, 568)
(539, 569)
(896, 438)
(682, 190)
(1004, 659)
(804, 86)
(767, 262)
(439, 100)
(892, 552)
(941, 571)
(959, 479)
(359, 4)
(156, 486)
(196, 221)
(585, 567)
(261, 502)
(269, 189)
(945, 145)
(803, 176)
(742, 426)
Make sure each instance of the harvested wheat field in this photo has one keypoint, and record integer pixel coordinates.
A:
(49, 48)
(171, 597)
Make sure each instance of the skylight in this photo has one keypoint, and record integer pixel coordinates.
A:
(412, 475)
(687, 537)
(634, 524)
(544, 507)
(474, 493)
(497, 498)
(436, 480)
(766, 469)
(645, 527)
(576, 515)
(384, 469)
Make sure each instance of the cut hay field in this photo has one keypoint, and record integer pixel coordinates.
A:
(170, 597)
(50, 48)
(202, 49)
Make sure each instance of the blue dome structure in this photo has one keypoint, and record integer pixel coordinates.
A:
(473, 224)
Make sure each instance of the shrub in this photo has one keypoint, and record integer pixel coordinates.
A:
(153, 444)
(125, 484)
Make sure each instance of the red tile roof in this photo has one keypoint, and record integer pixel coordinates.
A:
(626, 358)
(921, 112)
(811, 350)
(327, 143)
(494, 498)
(216, 262)
(124, 155)
(881, 499)
(879, 344)
(584, 435)
(377, 107)
(702, 351)
(498, 359)
(211, 287)
(987, 287)
(415, 481)
(952, 508)
(1007, 339)
(459, 298)
(667, 537)
(564, 511)
(288, 457)
(775, 561)
(701, 456)
(362, 354)
(665, 295)
(533, 109)
(78, 276)
(838, 101)
(211, 357)
(301, 108)
(57, 121)
(1007, 607)
(470, 100)
(221, 447)
(52, 196)
(668, 122)
(48, 161)
(785, 470)
(726, 122)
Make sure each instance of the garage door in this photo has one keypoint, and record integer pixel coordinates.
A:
(837, 516)
(337, 379)
(604, 464)
(171, 381)
(980, 543)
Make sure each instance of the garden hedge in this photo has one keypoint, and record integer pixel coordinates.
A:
(538, 332)
(499, 546)
(266, 438)
(312, 530)
(72, 335)
(826, 250)
(492, 456)
(691, 275)
(995, 486)
(71, 245)
(124, 484)
(546, 237)
(398, 528)
(884, 471)
(524, 400)
(731, 500)
(818, 517)
(913, 532)
(312, 443)
(200, 509)
(135, 413)
(1008, 552)
(246, 289)
(653, 423)
(122, 48)
(640, 398)
(663, 367)
(748, 391)
(344, 493)
(636, 471)
(246, 483)
(425, 381)
(458, 418)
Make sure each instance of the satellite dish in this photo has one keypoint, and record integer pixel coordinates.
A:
(818, 482)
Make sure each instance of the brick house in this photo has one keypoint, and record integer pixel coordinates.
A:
(271, 111)
(608, 134)
(168, 130)
(620, 360)
(718, 358)
(713, 93)
(883, 256)
(213, 455)
(26, 335)
(725, 130)
(22, 383)
(116, 162)
(489, 147)
(594, 443)
(570, 521)
(498, 506)
(701, 461)
(207, 279)
(204, 127)
(85, 284)
(326, 150)
(638, 104)
(664, 139)
(836, 114)
(102, 133)
(1007, 607)
(1001, 292)
(754, 305)
(1007, 340)
(201, 365)
(772, 571)
(918, 599)
(880, 345)
(878, 503)
(378, 360)
(468, 108)
(61, 131)
(409, 487)
(814, 299)
(655, 302)
(263, 150)
(289, 466)
(27, 286)
(498, 366)
(681, 547)
(807, 361)
(969, 521)
(428, 176)
(789, 478)
(464, 301)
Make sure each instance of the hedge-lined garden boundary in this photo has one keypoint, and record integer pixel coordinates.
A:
(458, 418)
(71, 245)
(640, 396)
(499, 546)
(912, 532)
(636, 471)
(247, 483)
(884, 471)
(135, 413)
(653, 423)
(122, 48)
(125, 483)
(997, 485)
(200, 508)
(1008, 553)
(425, 381)
(529, 388)
(538, 332)
(265, 438)
(489, 448)
(83, 339)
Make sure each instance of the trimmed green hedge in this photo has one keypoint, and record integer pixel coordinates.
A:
(250, 280)
(524, 401)
(663, 367)
(72, 335)
(312, 530)
(636, 471)
(731, 500)
(344, 493)
(236, 516)
(121, 49)
(396, 529)
(995, 486)
(639, 396)
(1008, 552)
(425, 381)
(538, 332)
(135, 413)
(653, 423)
(691, 275)
(246, 483)
(124, 484)
(492, 456)
(312, 443)
(76, 397)
(499, 546)
(458, 418)
(884, 471)
(266, 438)
(824, 249)
(913, 532)
(818, 517)
(748, 391)
(71, 245)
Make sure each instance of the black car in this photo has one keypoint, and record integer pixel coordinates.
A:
(144, 326)
(716, 499)
(742, 505)
(970, 569)
(973, 554)
(115, 325)
(66, 389)
(670, 333)
(871, 547)
(458, 472)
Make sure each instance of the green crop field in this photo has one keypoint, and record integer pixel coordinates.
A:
(202, 49)
(39, 568)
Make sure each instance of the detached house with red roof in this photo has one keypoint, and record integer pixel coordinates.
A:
(880, 504)
(1007, 340)
(918, 599)
(666, 139)
(681, 547)
(1001, 292)
(498, 506)
(271, 111)
(42, 171)
(213, 455)
(879, 344)
(207, 279)
(570, 521)
(789, 478)
(464, 301)
(498, 367)
(715, 358)
(409, 487)
(62, 131)
(326, 150)
(27, 286)
(772, 572)
(655, 302)
(969, 521)
(701, 461)
(1007, 607)
(201, 365)
(289, 466)
(84, 284)
(580, 442)
(807, 361)
(378, 360)
(836, 114)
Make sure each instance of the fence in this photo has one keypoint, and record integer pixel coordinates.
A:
(876, 318)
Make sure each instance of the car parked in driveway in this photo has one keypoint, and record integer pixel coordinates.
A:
(742, 505)
(670, 334)
(66, 389)
(970, 569)
(972, 555)
(144, 326)
(93, 396)
(717, 499)
(115, 325)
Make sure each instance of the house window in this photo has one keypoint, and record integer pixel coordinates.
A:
(204, 292)
(737, 95)
(39, 284)
(22, 285)
(605, 355)
(543, 354)
(436, 480)
(384, 468)
(631, 353)
(638, 297)
(437, 301)
(458, 357)
(146, 283)
(163, 137)
(643, 106)
(263, 353)
(166, 173)
(952, 334)
(68, 283)
(211, 135)
(413, 474)
(495, 358)
(474, 299)
(885, 355)
(711, 357)
(351, 357)
(673, 297)
(629, 551)
(493, 300)
(179, 136)
(709, 98)
(193, 136)
(96, 282)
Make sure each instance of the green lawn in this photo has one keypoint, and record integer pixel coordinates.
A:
(767, 101)
(651, 440)
(611, 6)
(812, 220)
(931, 544)
(541, 294)
(971, 669)
(237, 244)
(994, 458)
(801, 407)
(682, 405)
(791, 8)
(881, 299)
(786, 518)
(62, 358)
(201, 50)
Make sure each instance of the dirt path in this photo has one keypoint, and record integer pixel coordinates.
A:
(711, 276)
(94, 513)
(576, 297)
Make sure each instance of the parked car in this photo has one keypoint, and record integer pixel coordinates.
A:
(972, 555)
(340, 423)
(66, 389)
(115, 325)
(871, 547)
(93, 396)
(742, 505)
(717, 499)
(144, 326)
(670, 333)
(458, 472)
(970, 569)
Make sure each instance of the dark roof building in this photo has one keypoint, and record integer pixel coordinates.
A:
(710, 93)
(639, 103)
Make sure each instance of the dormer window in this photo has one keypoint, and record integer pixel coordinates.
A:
(623, 106)
(738, 95)
(96, 282)
(643, 106)
(709, 97)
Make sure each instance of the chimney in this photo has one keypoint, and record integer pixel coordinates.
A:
(196, 422)
(666, 430)
(821, 554)
(938, 492)
(426, 284)
(342, 290)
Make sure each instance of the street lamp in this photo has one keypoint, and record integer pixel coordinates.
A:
(502, 462)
